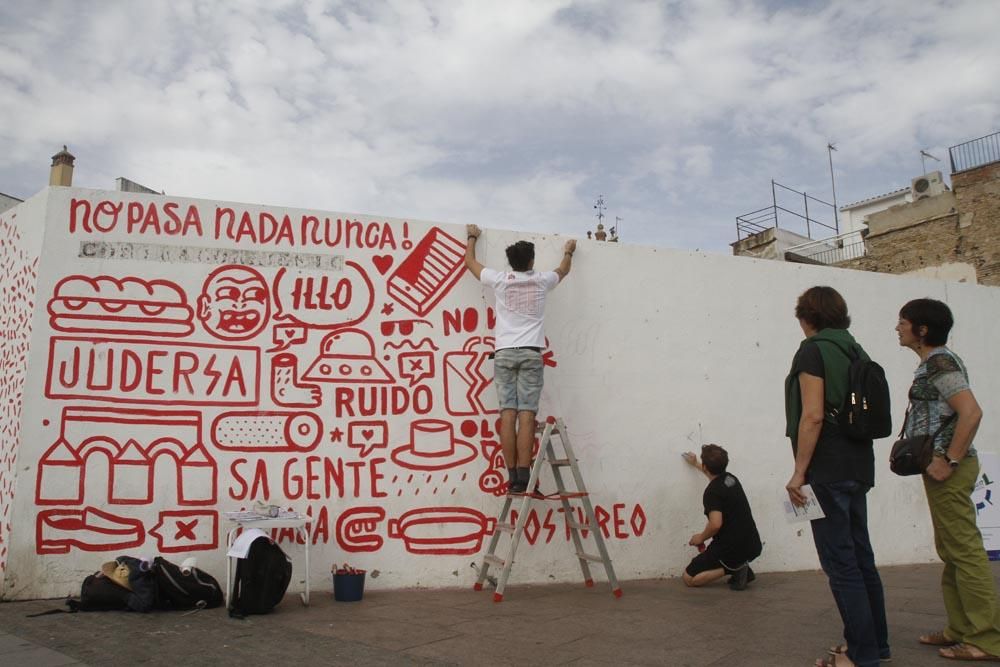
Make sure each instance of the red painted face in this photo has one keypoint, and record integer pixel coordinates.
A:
(234, 303)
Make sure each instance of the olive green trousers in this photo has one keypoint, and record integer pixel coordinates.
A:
(967, 581)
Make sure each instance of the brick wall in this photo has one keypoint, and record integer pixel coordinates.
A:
(966, 233)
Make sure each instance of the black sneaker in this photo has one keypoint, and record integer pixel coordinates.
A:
(517, 487)
(740, 578)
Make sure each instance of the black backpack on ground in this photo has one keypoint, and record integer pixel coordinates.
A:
(98, 593)
(176, 590)
(261, 579)
(866, 412)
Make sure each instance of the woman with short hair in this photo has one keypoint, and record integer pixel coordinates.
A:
(940, 398)
(840, 470)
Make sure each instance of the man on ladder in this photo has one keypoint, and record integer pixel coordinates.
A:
(520, 307)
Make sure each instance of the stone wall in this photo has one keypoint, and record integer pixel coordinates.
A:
(958, 229)
(978, 195)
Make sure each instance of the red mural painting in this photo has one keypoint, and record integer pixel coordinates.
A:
(178, 531)
(348, 356)
(357, 409)
(234, 303)
(18, 281)
(468, 375)
(286, 390)
(286, 335)
(493, 480)
(433, 446)
(618, 522)
(330, 300)
(131, 441)
(88, 529)
(428, 273)
(134, 306)
(149, 371)
(442, 530)
(415, 366)
(356, 529)
(366, 436)
(254, 431)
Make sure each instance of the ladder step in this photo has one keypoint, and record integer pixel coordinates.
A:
(576, 526)
(493, 560)
(590, 557)
(505, 528)
(560, 462)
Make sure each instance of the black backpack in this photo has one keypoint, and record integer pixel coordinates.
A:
(261, 579)
(176, 590)
(98, 593)
(866, 412)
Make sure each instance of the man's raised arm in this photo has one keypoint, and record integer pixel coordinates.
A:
(472, 232)
(567, 259)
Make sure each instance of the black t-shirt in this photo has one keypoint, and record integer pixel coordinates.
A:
(837, 458)
(737, 540)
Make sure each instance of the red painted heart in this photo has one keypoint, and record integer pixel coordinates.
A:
(367, 433)
(383, 263)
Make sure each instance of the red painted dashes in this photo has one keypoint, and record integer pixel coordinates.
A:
(18, 274)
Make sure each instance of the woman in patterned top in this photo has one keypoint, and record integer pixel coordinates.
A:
(939, 391)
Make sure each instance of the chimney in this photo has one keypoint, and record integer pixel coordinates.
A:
(62, 168)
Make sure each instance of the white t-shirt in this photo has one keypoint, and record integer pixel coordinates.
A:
(520, 305)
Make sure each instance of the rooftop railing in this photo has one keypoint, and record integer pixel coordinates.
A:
(975, 153)
(777, 215)
(833, 250)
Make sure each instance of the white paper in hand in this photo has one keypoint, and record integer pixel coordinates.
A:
(808, 512)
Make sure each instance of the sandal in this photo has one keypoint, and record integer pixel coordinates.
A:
(835, 660)
(841, 649)
(967, 652)
(936, 639)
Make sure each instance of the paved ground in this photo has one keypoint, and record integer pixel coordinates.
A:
(782, 619)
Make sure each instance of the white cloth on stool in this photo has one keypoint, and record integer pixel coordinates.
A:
(242, 544)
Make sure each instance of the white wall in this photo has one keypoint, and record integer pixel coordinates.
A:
(854, 219)
(656, 351)
(21, 232)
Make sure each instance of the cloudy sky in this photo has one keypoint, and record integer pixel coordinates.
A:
(513, 114)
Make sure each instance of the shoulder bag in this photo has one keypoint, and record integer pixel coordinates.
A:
(911, 456)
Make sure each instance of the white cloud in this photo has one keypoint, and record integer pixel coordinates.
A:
(513, 114)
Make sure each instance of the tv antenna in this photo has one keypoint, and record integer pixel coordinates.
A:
(600, 206)
(923, 167)
(830, 148)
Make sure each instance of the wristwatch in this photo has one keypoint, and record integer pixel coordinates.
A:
(952, 462)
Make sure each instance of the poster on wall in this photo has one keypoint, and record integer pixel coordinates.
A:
(984, 496)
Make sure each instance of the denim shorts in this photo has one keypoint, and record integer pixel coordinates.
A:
(517, 373)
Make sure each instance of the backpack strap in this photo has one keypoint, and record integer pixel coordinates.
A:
(832, 412)
(74, 606)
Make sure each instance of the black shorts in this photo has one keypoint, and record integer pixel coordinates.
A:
(709, 560)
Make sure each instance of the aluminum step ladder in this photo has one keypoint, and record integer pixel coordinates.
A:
(547, 454)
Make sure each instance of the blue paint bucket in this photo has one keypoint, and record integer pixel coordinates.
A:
(349, 586)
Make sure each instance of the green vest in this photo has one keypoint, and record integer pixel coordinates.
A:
(834, 345)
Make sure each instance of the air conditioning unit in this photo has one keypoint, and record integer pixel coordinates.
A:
(927, 185)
